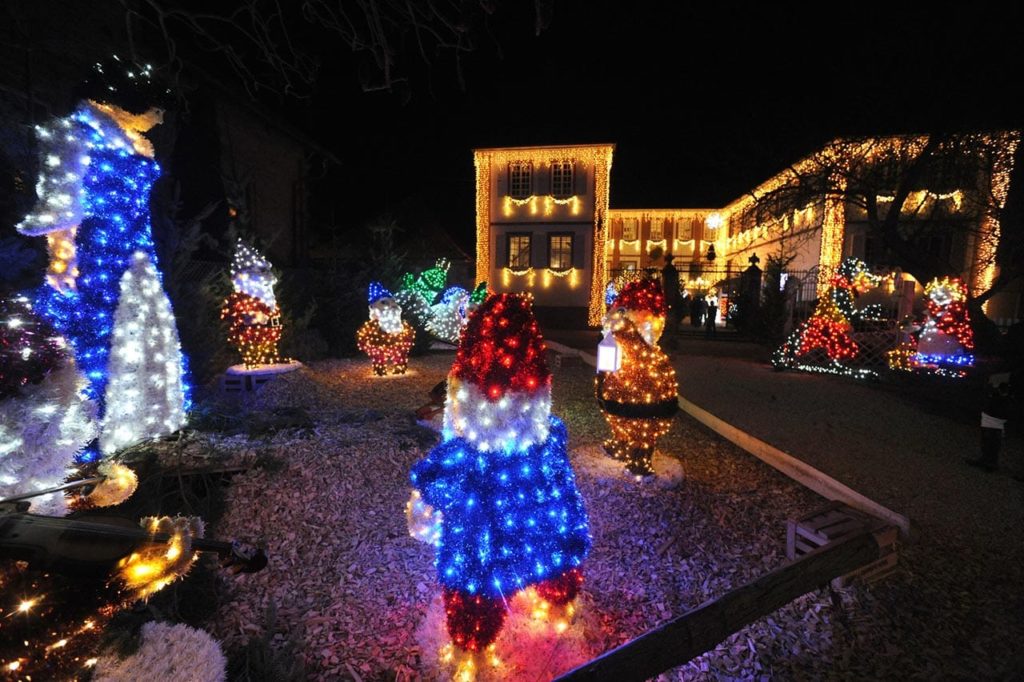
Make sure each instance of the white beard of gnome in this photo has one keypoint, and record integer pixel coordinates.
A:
(251, 274)
(145, 397)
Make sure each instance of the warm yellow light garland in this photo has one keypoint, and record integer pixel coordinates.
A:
(597, 156)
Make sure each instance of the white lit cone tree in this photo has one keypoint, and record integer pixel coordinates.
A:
(145, 394)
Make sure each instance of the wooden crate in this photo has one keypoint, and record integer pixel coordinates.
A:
(834, 522)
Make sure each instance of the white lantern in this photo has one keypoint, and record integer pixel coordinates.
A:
(609, 356)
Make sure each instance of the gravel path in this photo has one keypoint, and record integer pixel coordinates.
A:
(350, 587)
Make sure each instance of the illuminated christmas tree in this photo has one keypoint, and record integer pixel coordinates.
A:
(639, 398)
(498, 496)
(96, 172)
(385, 337)
(823, 343)
(145, 394)
(254, 320)
(45, 418)
(851, 279)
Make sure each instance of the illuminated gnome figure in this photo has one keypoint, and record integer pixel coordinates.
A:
(638, 399)
(95, 174)
(946, 338)
(498, 496)
(385, 337)
(251, 310)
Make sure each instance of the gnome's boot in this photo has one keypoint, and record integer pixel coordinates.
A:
(380, 369)
(561, 589)
(640, 461)
(616, 449)
(474, 621)
(399, 369)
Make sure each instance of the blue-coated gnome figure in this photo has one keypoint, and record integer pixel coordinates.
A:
(498, 496)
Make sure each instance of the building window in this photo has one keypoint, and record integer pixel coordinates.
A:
(657, 229)
(684, 231)
(629, 229)
(520, 180)
(627, 265)
(559, 251)
(518, 251)
(561, 179)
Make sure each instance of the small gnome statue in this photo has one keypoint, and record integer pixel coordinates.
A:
(497, 497)
(385, 337)
(639, 398)
(251, 310)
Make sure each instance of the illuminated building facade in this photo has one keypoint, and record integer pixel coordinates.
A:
(539, 231)
(542, 221)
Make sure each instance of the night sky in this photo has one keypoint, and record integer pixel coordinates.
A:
(703, 103)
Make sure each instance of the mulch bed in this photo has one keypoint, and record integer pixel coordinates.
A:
(350, 587)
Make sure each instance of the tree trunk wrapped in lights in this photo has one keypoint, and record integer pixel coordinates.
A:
(254, 320)
(498, 496)
(639, 399)
(385, 337)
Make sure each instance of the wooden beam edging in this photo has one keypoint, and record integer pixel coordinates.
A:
(798, 470)
(685, 637)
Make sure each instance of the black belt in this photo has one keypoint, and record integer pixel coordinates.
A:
(664, 409)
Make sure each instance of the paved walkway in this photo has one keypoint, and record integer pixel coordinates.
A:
(899, 452)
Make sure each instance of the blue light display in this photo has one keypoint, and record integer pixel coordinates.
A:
(452, 294)
(377, 291)
(510, 518)
(114, 198)
(958, 360)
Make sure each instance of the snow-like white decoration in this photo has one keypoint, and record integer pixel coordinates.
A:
(41, 431)
(449, 315)
(251, 274)
(514, 422)
(145, 396)
(168, 652)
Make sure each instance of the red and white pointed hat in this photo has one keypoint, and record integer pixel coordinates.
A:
(499, 389)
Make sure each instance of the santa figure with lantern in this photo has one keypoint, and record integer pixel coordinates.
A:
(636, 383)
(385, 337)
(497, 497)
